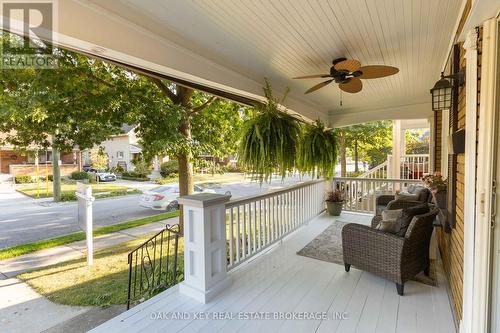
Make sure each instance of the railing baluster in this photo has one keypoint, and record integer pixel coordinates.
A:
(238, 254)
(260, 225)
(254, 233)
(231, 235)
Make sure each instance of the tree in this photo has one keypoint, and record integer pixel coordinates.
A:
(371, 140)
(70, 106)
(99, 158)
(182, 123)
(417, 141)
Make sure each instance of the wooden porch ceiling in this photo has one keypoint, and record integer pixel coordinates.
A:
(232, 45)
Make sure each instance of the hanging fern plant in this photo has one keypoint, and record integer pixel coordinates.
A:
(317, 152)
(269, 140)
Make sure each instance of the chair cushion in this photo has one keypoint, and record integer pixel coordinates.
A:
(407, 215)
(391, 214)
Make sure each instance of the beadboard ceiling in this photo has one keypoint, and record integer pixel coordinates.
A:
(281, 39)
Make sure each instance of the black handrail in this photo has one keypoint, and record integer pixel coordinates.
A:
(153, 265)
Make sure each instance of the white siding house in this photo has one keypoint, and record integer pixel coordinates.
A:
(121, 149)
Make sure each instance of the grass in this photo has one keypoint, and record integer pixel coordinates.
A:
(19, 250)
(206, 178)
(103, 284)
(41, 191)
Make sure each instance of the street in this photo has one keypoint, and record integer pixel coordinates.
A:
(24, 220)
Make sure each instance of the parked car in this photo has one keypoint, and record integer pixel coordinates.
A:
(165, 197)
(102, 176)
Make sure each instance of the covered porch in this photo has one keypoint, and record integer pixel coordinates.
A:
(227, 49)
(278, 282)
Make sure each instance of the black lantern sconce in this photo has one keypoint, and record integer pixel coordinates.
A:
(443, 90)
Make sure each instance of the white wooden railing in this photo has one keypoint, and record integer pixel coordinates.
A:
(414, 166)
(254, 223)
(360, 193)
(380, 171)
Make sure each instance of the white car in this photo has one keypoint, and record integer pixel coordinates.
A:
(164, 197)
(102, 176)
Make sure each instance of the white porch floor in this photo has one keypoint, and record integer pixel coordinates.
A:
(280, 281)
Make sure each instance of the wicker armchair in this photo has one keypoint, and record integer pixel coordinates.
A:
(393, 257)
(388, 201)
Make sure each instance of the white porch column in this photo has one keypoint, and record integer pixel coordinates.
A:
(204, 246)
(396, 149)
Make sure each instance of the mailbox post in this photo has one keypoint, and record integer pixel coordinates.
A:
(85, 199)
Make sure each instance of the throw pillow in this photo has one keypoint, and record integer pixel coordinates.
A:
(407, 215)
(406, 197)
(391, 214)
(390, 226)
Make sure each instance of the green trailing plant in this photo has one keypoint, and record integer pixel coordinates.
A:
(317, 153)
(269, 140)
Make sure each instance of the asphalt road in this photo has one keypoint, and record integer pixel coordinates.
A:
(24, 220)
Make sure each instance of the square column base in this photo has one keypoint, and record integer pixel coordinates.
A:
(204, 296)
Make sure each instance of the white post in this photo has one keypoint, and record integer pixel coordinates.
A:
(396, 149)
(85, 199)
(205, 255)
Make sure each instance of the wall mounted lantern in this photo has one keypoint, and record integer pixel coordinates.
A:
(443, 90)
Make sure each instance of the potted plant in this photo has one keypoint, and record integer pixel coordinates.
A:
(269, 139)
(317, 150)
(438, 186)
(334, 202)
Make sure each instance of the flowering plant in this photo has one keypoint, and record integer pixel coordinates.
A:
(335, 196)
(435, 182)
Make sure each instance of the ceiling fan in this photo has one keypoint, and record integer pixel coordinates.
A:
(347, 73)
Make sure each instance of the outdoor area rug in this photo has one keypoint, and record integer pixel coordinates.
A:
(327, 246)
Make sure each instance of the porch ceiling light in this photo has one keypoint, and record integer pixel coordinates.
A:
(441, 94)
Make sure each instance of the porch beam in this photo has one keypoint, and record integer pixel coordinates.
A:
(409, 111)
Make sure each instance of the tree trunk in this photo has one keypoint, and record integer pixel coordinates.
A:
(56, 174)
(343, 157)
(356, 156)
(185, 170)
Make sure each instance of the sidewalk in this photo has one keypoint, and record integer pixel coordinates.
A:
(9, 268)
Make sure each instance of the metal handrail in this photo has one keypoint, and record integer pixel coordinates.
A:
(149, 263)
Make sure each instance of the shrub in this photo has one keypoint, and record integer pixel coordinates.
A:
(142, 168)
(24, 179)
(79, 175)
(169, 167)
(166, 180)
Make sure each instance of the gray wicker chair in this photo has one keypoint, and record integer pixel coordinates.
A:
(388, 201)
(395, 258)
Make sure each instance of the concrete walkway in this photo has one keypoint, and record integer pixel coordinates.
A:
(11, 267)
(22, 309)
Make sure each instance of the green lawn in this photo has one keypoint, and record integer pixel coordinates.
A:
(80, 235)
(68, 190)
(104, 284)
(207, 178)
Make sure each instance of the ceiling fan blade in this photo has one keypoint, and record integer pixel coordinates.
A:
(376, 71)
(312, 76)
(353, 86)
(350, 65)
(319, 85)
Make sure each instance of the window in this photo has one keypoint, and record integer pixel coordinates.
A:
(119, 154)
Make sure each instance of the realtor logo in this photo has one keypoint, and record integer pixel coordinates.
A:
(31, 25)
